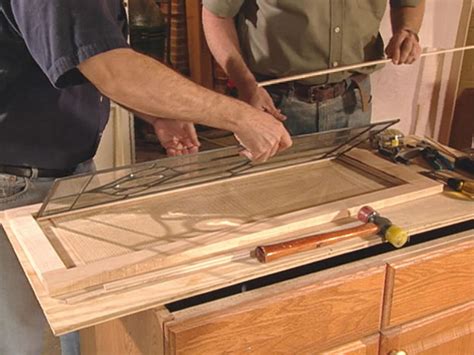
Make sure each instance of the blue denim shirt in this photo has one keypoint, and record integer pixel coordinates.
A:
(51, 117)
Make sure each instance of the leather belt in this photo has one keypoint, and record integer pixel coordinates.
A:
(29, 172)
(320, 93)
(311, 93)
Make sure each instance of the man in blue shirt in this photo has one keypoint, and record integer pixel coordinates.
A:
(60, 61)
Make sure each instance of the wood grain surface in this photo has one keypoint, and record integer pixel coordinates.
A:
(448, 332)
(319, 312)
(138, 334)
(429, 282)
(365, 346)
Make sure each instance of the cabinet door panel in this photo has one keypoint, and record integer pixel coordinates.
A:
(429, 281)
(310, 314)
(449, 332)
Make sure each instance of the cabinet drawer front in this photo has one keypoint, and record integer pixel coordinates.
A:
(448, 332)
(319, 313)
(366, 346)
(429, 282)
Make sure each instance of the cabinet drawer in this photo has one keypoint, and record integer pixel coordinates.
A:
(448, 332)
(428, 281)
(321, 311)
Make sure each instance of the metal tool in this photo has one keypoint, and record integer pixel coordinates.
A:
(466, 187)
(389, 143)
(436, 160)
(461, 162)
(373, 224)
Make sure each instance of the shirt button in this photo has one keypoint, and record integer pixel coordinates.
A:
(101, 99)
(335, 64)
(337, 29)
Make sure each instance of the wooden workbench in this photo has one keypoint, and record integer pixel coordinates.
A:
(355, 297)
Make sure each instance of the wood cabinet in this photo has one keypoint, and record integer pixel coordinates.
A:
(448, 332)
(427, 281)
(418, 300)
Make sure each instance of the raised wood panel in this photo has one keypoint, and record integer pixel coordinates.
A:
(304, 315)
(429, 282)
(138, 334)
(449, 332)
(366, 346)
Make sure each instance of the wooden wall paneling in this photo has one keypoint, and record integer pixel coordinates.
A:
(462, 132)
(426, 281)
(365, 346)
(200, 59)
(463, 122)
(138, 334)
(455, 74)
(321, 311)
(448, 332)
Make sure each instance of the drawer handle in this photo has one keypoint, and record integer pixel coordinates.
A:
(397, 352)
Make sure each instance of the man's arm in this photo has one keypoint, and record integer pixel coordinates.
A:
(221, 36)
(147, 86)
(404, 47)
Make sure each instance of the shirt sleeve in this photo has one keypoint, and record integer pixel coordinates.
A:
(60, 34)
(223, 8)
(404, 3)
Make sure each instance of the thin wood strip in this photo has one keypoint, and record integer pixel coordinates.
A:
(354, 66)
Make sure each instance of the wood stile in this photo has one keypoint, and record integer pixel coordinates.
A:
(245, 237)
(42, 255)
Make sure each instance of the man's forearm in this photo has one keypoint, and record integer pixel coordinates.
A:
(408, 18)
(149, 87)
(221, 36)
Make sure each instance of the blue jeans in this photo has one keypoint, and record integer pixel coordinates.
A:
(21, 320)
(341, 112)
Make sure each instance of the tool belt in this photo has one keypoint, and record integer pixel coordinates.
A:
(28, 172)
(320, 93)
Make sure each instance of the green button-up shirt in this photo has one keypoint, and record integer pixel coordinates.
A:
(287, 37)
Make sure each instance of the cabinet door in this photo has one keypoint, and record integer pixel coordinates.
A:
(305, 315)
(429, 279)
(449, 332)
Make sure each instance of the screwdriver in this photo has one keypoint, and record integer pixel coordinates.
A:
(466, 187)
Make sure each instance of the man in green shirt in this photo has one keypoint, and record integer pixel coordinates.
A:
(255, 40)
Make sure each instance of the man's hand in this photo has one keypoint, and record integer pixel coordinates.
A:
(177, 137)
(259, 98)
(404, 47)
(262, 136)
